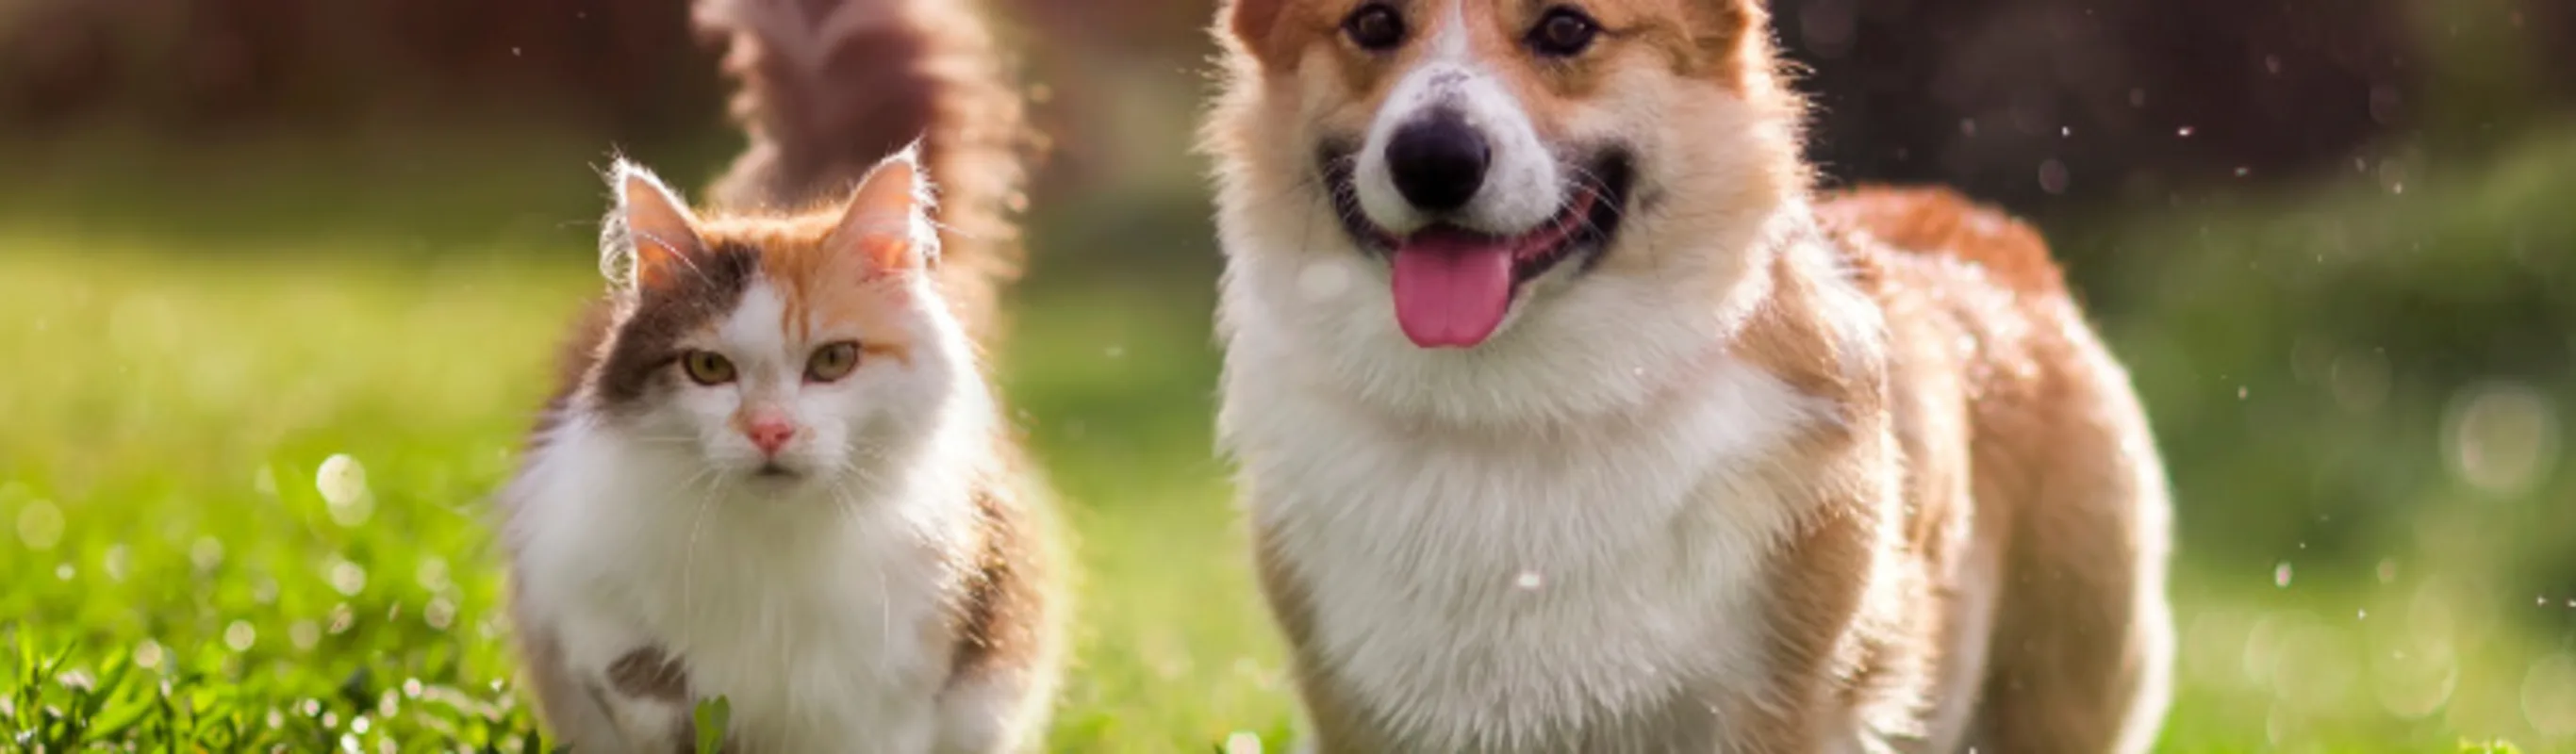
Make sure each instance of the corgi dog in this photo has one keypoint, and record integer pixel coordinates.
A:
(1569, 415)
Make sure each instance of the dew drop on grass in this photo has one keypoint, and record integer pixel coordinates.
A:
(432, 574)
(343, 483)
(147, 655)
(439, 614)
(239, 636)
(304, 634)
(1242, 742)
(40, 525)
(115, 563)
(206, 553)
(347, 578)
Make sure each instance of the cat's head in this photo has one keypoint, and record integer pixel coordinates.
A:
(777, 349)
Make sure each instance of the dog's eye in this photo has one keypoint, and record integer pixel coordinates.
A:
(1374, 27)
(1564, 33)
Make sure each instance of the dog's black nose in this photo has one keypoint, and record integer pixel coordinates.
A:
(1437, 162)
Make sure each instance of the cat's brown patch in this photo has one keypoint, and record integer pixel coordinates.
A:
(998, 614)
(649, 673)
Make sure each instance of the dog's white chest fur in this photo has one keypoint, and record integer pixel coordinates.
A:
(819, 637)
(1487, 590)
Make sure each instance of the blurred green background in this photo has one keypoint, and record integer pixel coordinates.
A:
(2334, 241)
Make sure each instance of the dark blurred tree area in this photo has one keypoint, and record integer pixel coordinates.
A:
(180, 68)
(2024, 100)
(2041, 104)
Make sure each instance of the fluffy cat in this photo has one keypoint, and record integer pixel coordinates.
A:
(774, 472)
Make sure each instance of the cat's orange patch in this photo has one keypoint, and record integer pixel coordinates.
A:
(830, 287)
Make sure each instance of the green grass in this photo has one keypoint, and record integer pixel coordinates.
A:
(171, 572)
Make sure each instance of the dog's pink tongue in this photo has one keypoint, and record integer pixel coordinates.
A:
(1451, 289)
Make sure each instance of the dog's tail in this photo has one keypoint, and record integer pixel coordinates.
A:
(827, 88)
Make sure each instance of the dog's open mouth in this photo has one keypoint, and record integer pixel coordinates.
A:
(1454, 286)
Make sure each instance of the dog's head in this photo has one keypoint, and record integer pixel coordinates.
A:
(1485, 157)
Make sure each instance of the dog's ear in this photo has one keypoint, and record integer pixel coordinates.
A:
(1254, 24)
(1723, 23)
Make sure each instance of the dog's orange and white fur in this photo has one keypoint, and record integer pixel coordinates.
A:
(1730, 464)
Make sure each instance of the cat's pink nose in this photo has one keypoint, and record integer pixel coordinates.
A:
(770, 433)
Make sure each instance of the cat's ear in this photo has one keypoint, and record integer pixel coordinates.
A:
(654, 225)
(886, 222)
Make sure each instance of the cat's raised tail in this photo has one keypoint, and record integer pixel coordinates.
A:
(828, 88)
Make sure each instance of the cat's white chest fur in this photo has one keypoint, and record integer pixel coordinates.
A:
(1490, 592)
(822, 628)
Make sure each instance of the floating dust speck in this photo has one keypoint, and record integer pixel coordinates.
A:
(2183, 132)
(2053, 176)
(1242, 742)
(2281, 575)
(1529, 581)
(343, 484)
(348, 578)
(264, 481)
(240, 636)
(2387, 571)
(65, 572)
(304, 634)
(2500, 437)
(40, 525)
(2549, 696)
(114, 563)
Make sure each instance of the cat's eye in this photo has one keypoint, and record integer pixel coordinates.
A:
(706, 367)
(1374, 27)
(832, 362)
(1563, 33)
